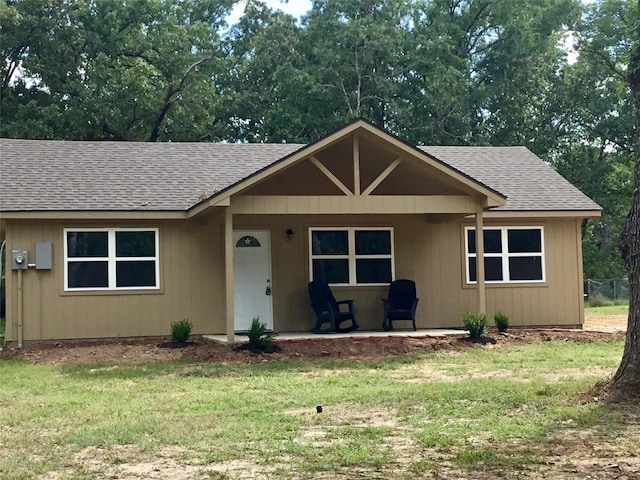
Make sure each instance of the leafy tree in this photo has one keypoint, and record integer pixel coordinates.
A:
(432, 71)
(306, 80)
(269, 92)
(594, 149)
(606, 177)
(114, 70)
(359, 46)
(482, 71)
(594, 127)
(435, 105)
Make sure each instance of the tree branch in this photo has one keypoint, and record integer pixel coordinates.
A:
(606, 59)
(13, 65)
(167, 101)
(344, 91)
(136, 55)
(106, 129)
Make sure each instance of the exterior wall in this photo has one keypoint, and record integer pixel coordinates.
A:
(191, 281)
(556, 302)
(290, 265)
(432, 254)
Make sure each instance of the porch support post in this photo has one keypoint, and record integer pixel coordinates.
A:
(482, 297)
(228, 268)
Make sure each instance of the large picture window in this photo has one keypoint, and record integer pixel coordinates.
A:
(511, 254)
(351, 256)
(111, 259)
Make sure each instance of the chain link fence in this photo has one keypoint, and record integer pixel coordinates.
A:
(607, 291)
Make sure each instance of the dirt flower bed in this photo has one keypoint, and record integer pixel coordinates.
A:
(361, 348)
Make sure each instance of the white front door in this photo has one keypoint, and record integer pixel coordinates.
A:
(252, 279)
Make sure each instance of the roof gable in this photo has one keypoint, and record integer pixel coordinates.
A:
(328, 155)
(381, 170)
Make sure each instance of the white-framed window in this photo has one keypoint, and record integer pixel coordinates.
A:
(351, 255)
(511, 254)
(111, 259)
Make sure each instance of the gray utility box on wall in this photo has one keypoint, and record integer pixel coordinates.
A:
(19, 259)
(43, 255)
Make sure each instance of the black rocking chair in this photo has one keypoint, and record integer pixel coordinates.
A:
(328, 311)
(401, 303)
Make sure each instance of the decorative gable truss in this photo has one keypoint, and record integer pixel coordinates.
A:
(359, 169)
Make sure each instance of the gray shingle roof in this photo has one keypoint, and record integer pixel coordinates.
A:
(528, 182)
(44, 175)
(60, 175)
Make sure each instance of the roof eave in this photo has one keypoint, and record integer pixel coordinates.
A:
(592, 213)
(94, 214)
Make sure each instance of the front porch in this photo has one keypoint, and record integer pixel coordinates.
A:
(360, 334)
(357, 210)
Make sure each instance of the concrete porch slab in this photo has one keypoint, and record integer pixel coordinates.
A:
(293, 336)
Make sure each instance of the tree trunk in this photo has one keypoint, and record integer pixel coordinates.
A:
(627, 379)
(626, 382)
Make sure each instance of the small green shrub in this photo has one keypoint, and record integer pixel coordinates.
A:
(599, 300)
(502, 321)
(261, 340)
(475, 323)
(181, 330)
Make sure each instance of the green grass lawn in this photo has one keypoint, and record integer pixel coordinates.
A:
(607, 310)
(510, 412)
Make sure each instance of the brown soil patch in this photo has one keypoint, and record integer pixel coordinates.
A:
(362, 349)
(597, 328)
(125, 462)
(604, 322)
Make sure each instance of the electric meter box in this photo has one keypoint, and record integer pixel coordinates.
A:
(19, 259)
(43, 255)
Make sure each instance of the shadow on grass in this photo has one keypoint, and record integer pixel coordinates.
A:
(583, 434)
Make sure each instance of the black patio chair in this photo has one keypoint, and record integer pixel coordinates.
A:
(401, 303)
(328, 311)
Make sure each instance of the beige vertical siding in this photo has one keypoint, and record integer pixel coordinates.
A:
(558, 301)
(290, 259)
(192, 286)
(432, 255)
(192, 278)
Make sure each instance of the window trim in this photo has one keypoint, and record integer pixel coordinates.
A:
(351, 255)
(505, 255)
(111, 259)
